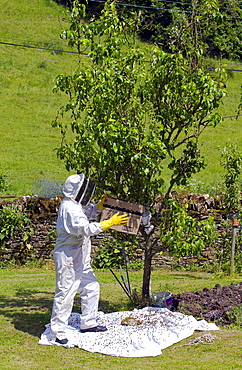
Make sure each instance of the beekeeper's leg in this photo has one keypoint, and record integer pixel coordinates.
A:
(69, 270)
(89, 294)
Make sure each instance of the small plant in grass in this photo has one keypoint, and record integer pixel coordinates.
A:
(3, 182)
(236, 315)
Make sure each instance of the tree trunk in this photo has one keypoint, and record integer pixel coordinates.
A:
(147, 272)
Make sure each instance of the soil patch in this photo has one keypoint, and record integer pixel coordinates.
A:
(214, 304)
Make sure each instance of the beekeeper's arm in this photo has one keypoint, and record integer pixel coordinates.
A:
(81, 226)
(93, 210)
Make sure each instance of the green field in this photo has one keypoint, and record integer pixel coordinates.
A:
(28, 105)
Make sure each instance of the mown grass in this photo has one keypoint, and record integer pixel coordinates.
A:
(26, 296)
(28, 105)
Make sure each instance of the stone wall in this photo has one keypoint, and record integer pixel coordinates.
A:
(42, 213)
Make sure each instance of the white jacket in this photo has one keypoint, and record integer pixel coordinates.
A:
(73, 225)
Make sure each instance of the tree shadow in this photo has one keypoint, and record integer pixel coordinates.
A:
(29, 311)
(108, 307)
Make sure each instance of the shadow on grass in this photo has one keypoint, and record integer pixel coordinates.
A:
(29, 311)
(108, 307)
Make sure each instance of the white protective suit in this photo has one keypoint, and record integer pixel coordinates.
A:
(72, 260)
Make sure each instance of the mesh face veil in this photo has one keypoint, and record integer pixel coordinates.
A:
(91, 186)
(86, 192)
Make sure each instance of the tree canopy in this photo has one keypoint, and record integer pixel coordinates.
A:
(129, 113)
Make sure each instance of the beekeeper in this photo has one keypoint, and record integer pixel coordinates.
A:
(72, 256)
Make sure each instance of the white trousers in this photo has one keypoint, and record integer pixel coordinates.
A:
(73, 274)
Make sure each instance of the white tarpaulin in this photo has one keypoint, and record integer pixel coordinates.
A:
(155, 329)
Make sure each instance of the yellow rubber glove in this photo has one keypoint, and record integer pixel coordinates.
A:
(115, 220)
(101, 202)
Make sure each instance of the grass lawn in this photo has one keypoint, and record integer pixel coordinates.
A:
(25, 307)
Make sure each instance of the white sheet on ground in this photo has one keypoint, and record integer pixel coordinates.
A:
(159, 329)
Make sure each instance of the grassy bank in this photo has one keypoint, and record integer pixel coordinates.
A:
(28, 104)
(25, 307)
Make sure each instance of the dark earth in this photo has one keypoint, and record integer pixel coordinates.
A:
(221, 305)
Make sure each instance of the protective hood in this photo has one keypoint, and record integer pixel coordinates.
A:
(79, 189)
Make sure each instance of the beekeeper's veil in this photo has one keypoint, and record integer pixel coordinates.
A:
(79, 189)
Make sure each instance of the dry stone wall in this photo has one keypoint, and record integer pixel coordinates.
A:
(42, 213)
(39, 244)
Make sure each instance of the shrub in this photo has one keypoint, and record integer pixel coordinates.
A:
(183, 235)
(12, 222)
